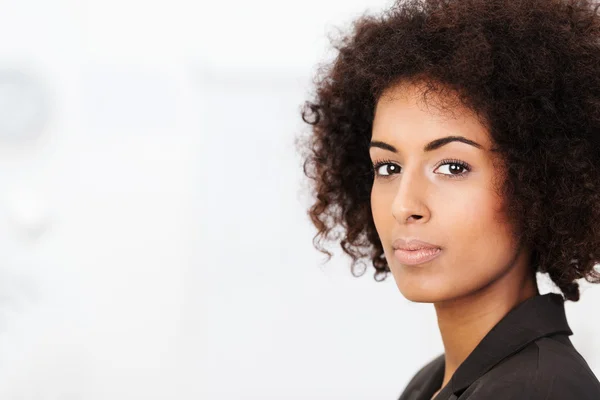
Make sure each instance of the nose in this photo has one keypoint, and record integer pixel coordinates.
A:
(410, 200)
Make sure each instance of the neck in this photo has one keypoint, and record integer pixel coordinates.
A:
(463, 322)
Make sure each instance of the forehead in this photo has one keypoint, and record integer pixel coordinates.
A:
(403, 114)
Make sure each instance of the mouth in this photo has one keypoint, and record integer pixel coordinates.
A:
(415, 257)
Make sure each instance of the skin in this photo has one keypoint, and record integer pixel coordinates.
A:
(482, 272)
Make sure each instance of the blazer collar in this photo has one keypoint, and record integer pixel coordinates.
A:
(536, 317)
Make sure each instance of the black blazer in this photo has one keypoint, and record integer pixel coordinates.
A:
(527, 356)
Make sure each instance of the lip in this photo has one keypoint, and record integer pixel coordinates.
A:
(415, 257)
(412, 244)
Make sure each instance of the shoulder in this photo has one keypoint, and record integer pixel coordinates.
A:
(563, 372)
(548, 369)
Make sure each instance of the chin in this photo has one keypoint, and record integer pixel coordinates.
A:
(428, 283)
(422, 290)
(422, 296)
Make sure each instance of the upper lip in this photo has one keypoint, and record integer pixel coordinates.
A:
(412, 244)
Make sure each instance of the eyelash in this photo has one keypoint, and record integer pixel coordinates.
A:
(446, 161)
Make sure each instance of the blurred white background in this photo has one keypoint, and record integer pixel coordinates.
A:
(153, 230)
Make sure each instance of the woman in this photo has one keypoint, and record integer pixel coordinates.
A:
(457, 145)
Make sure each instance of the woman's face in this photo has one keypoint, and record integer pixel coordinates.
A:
(451, 204)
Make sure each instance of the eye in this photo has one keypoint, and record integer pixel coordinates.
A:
(456, 168)
(389, 168)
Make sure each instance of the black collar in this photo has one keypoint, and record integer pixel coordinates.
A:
(536, 317)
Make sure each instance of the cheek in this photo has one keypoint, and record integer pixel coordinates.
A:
(479, 241)
(381, 211)
(468, 219)
(476, 219)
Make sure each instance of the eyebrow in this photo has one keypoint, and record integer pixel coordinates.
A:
(433, 145)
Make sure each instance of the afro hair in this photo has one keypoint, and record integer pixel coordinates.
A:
(529, 69)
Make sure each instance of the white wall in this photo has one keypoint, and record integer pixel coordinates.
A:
(154, 236)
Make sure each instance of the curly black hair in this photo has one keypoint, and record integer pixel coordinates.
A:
(530, 70)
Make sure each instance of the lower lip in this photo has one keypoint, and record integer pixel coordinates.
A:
(414, 257)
